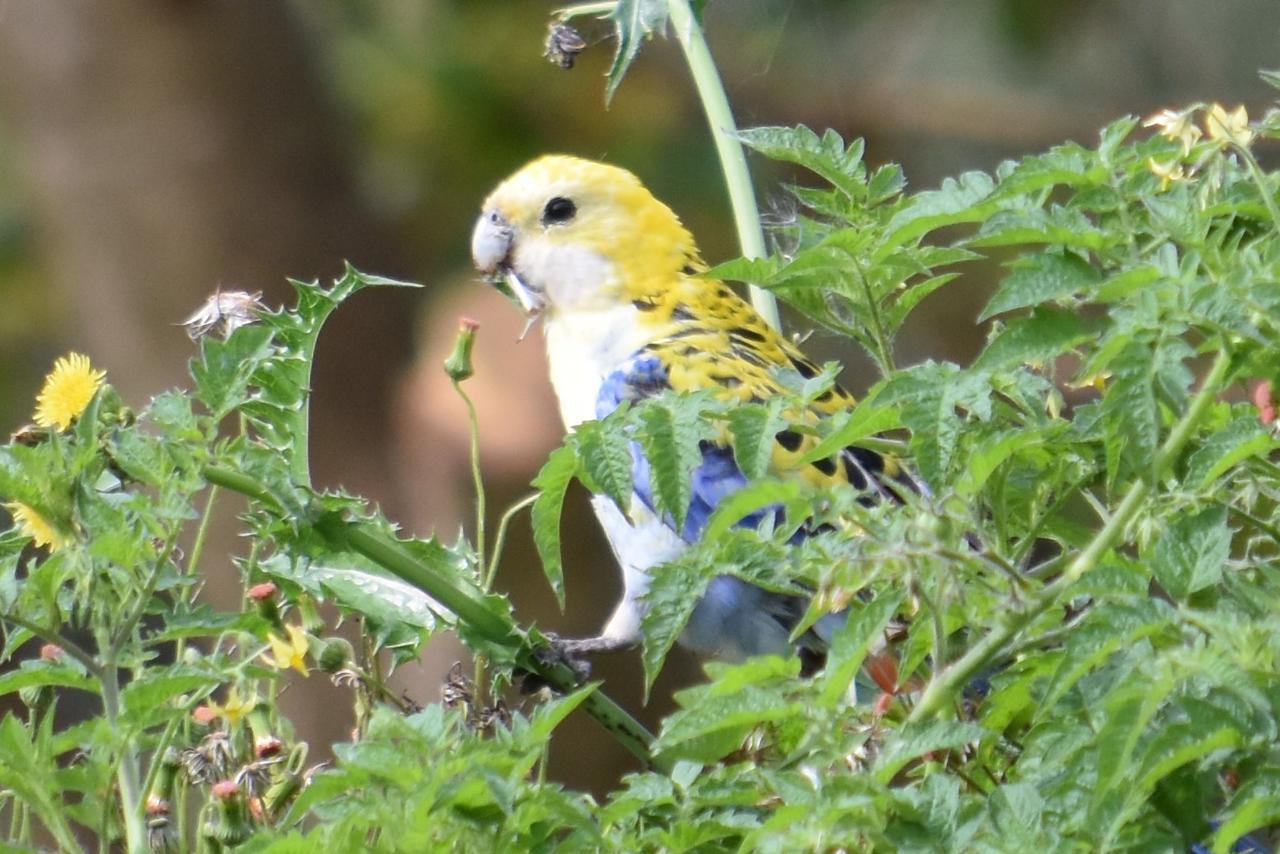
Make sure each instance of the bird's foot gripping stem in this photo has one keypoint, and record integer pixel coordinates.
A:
(571, 652)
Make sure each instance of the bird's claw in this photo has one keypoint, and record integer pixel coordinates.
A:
(558, 650)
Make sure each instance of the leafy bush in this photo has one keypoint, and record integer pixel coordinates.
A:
(1091, 633)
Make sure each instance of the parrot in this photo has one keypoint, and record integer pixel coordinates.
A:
(617, 281)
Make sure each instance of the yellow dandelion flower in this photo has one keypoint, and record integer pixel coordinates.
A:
(1175, 125)
(35, 526)
(291, 652)
(67, 391)
(1233, 127)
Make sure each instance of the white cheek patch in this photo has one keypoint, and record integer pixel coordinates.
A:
(570, 275)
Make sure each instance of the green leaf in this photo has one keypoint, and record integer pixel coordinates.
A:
(672, 430)
(914, 740)
(1040, 337)
(1131, 415)
(1189, 556)
(1241, 439)
(673, 593)
(552, 483)
(604, 451)
(152, 694)
(634, 22)
(1038, 279)
(866, 419)
(715, 718)
(28, 770)
(825, 155)
(41, 673)
(850, 645)
(753, 428)
(912, 295)
(223, 371)
(958, 200)
(1256, 805)
(990, 455)
(753, 497)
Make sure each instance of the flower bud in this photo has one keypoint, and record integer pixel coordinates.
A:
(264, 596)
(229, 824)
(458, 366)
(334, 654)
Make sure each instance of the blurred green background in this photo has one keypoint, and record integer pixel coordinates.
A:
(153, 151)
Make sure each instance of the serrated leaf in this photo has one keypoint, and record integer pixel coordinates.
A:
(672, 595)
(671, 435)
(1243, 438)
(915, 740)
(849, 647)
(1255, 806)
(990, 455)
(1131, 416)
(634, 22)
(152, 692)
(552, 483)
(1044, 335)
(753, 428)
(1189, 556)
(961, 199)
(39, 673)
(223, 371)
(912, 295)
(866, 419)
(1038, 279)
(604, 451)
(751, 499)
(714, 719)
(825, 155)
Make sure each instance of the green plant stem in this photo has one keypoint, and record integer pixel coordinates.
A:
(68, 646)
(466, 602)
(477, 481)
(500, 538)
(1255, 171)
(733, 160)
(479, 679)
(126, 767)
(945, 684)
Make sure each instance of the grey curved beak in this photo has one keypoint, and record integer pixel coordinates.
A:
(491, 242)
(491, 251)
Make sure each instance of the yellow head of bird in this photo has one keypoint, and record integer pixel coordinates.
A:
(570, 234)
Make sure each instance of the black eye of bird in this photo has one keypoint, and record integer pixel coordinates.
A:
(558, 210)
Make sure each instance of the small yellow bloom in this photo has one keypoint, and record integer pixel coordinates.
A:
(1168, 173)
(1232, 127)
(235, 708)
(67, 391)
(35, 526)
(291, 652)
(1175, 125)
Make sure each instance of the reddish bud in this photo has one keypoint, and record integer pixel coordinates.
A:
(1262, 399)
(157, 806)
(204, 714)
(261, 592)
(225, 789)
(51, 652)
(267, 746)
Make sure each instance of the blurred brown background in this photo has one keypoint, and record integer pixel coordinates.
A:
(152, 151)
